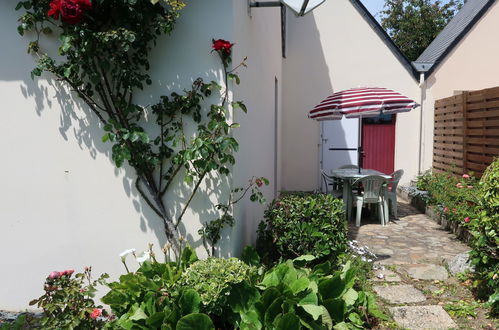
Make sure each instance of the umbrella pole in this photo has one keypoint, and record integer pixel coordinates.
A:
(359, 148)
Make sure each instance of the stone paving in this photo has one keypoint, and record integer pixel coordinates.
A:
(413, 239)
(415, 248)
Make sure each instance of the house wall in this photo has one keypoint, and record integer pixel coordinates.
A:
(257, 36)
(331, 49)
(471, 65)
(63, 203)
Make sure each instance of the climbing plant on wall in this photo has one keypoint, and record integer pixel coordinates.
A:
(104, 59)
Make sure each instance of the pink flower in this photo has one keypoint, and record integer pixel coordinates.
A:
(459, 185)
(82, 290)
(467, 219)
(446, 209)
(55, 275)
(68, 272)
(466, 176)
(96, 313)
(470, 187)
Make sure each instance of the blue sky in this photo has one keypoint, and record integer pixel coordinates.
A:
(374, 6)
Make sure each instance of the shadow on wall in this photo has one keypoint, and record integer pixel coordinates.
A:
(77, 122)
(307, 81)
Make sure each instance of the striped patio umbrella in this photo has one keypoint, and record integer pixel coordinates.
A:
(362, 102)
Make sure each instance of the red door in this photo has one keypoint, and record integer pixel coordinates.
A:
(378, 142)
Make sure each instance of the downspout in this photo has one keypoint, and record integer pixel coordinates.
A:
(422, 85)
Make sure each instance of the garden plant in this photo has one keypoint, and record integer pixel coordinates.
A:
(474, 205)
(104, 59)
(306, 282)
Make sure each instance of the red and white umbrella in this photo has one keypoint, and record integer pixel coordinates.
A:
(362, 102)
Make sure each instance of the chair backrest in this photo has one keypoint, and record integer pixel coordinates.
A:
(330, 181)
(348, 166)
(396, 176)
(373, 187)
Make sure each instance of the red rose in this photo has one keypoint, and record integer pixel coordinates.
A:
(96, 313)
(222, 46)
(71, 11)
(55, 9)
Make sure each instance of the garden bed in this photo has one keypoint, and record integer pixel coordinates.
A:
(417, 199)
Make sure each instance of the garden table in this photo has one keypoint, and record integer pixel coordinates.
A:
(349, 175)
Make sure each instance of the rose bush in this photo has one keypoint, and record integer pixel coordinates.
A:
(68, 301)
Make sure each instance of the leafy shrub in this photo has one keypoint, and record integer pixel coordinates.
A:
(454, 197)
(474, 205)
(485, 243)
(297, 225)
(67, 302)
(295, 297)
(213, 279)
(423, 180)
(148, 298)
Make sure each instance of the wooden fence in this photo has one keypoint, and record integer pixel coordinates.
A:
(466, 136)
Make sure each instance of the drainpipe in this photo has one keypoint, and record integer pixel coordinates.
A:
(422, 86)
(422, 68)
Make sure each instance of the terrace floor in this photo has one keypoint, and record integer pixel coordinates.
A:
(412, 278)
(414, 238)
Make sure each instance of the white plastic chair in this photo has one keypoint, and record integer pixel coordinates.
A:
(335, 183)
(348, 166)
(373, 193)
(391, 193)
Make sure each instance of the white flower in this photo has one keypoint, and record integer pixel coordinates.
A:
(146, 255)
(126, 252)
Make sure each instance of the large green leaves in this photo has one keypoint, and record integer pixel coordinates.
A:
(195, 321)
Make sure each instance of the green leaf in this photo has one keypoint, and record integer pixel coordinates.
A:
(189, 256)
(250, 256)
(195, 321)
(309, 299)
(189, 302)
(274, 309)
(301, 261)
(336, 308)
(350, 296)
(341, 326)
(250, 320)
(314, 310)
(299, 285)
(288, 322)
(332, 287)
(242, 297)
(235, 77)
(138, 315)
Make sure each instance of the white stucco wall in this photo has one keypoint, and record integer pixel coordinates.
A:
(257, 36)
(471, 65)
(63, 203)
(329, 50)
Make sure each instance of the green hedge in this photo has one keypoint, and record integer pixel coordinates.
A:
(484, 228)
(302, 224)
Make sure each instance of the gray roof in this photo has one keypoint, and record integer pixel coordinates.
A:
(453, 32)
